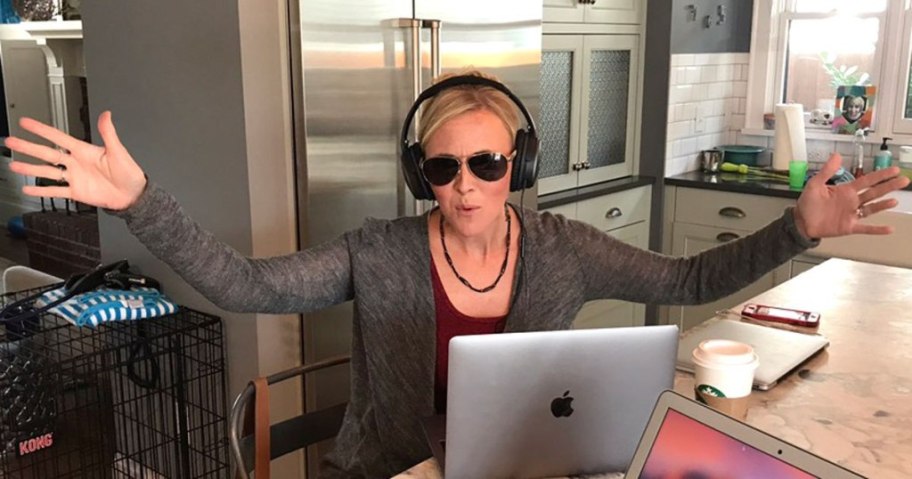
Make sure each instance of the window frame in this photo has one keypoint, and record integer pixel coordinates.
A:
(768, 63)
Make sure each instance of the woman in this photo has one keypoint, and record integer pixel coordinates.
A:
(470, 265)
(851, 120)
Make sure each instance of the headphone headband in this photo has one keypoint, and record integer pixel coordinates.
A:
(525, 142)
(462, 80)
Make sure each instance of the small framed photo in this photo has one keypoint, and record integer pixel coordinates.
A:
(854, 109)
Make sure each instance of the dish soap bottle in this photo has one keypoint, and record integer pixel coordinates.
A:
(858, 171)
(883, 158)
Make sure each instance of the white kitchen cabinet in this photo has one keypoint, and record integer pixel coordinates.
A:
(589, 90)
(625, 216)
(691, 239)
(701, 219)
(594, 11)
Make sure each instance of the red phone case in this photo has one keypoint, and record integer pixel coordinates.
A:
(781, 315)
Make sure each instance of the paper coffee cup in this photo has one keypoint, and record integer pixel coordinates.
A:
(724, 375)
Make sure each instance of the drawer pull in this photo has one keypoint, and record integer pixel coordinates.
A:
(614, 213)
(732, 212)
(726, 237)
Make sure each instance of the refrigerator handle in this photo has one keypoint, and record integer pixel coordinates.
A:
(407, 204)
(434, 26)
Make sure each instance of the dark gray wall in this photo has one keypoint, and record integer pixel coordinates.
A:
(731, 37)
(170, 71)
(654, 123)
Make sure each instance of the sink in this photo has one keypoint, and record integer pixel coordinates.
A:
(891, 250)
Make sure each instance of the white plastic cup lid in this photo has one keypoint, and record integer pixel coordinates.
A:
(724, 352)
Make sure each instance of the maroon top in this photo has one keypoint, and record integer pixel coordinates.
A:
(450, 323)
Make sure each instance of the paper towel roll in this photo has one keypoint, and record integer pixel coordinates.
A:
(790, 144)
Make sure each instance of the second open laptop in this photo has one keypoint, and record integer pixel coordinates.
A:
(550, 403)
(687, 439)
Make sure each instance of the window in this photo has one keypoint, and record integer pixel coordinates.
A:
(803, 50)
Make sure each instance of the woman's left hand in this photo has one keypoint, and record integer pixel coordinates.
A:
(826, 211)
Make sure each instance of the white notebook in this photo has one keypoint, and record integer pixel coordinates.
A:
(780, 351)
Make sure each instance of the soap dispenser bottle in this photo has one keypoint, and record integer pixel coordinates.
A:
(858, 170)
(883, 158)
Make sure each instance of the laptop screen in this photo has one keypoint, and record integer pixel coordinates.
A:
(685, 447)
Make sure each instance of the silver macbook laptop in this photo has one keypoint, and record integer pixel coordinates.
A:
(780, 351)
(551, 403)
(687, 439)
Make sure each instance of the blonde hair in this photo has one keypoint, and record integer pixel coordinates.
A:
(457, 100)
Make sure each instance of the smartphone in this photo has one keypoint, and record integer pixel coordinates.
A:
(781, 315)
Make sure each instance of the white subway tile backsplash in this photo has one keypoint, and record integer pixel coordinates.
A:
(689, 146)
(707, 98)
(709, 74)
(754, 140)
(682, 59)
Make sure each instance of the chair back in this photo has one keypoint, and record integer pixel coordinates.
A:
(20, 278)
(277, 440)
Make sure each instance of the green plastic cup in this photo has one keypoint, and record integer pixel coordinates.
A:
(797, 173)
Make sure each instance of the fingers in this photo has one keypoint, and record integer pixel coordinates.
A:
(878, 206)
(874, 178)
(883, 188)
(35, 150)
(829, 169)
(47, 191)
(863, 229)
(38, 171)
(108, 132)
(51, 134)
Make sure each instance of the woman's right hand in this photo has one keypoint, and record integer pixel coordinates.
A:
(104, 176)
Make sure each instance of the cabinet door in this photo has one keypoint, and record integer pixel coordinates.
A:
(691, 239)
(559, 130)
(564, 11)
(610, 313)
(614, 11)
(608, 108)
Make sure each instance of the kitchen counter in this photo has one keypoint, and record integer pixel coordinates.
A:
(852, 403)
(592, 191)
(736, 183)
(733, 182)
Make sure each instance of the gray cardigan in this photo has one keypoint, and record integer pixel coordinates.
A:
(385, 267)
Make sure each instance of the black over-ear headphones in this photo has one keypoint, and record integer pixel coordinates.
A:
(525, 161)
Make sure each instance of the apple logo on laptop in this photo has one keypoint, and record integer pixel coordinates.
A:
(560, 406)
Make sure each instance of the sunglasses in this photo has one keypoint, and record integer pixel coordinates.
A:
(441, 170)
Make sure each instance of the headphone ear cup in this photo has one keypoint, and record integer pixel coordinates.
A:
(525, 163)
(411, 157)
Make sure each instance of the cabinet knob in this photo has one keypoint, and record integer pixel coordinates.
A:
(732, 212)
(586, 165)
(614, 213)
(577, 166)
(726, 237)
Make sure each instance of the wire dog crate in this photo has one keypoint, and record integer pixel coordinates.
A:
(141, 399)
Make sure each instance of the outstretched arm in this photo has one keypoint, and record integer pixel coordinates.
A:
(106, 176)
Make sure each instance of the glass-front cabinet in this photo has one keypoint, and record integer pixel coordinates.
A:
(589, 110)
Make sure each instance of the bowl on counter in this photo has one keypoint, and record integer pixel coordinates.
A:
(741, 154)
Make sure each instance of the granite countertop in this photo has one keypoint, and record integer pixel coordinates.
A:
(851, 403)
(736, 183)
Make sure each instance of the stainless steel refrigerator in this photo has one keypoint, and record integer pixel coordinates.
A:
(358, 66)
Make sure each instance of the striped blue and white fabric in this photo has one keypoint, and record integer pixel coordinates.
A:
(105, 304)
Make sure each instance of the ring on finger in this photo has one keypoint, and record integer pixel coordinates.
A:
(62, 173)
(860, 212)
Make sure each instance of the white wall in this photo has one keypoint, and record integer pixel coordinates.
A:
(706, 103)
